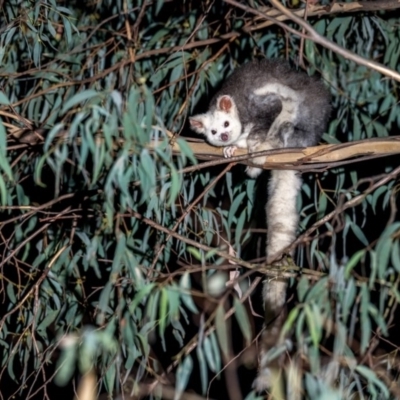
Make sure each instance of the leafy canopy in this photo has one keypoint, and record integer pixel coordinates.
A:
(111, 243)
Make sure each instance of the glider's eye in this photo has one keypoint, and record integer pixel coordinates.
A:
(226, 124)
(213, 131)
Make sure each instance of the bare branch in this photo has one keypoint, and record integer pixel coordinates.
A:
(326, 154)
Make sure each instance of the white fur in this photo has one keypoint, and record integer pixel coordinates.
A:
(229, 151)
(236, 138)
(279, 89)
(253, 147)
(240, 143)
(253, 172)
(290, 110)
(282, 220)
(282, 215)
(291, 101)
(224, 136)
(222, 126)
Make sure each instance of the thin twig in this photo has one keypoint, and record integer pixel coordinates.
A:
(348, 204)
(189, 208)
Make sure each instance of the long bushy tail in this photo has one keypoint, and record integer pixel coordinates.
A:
(282, 220)
(282, 215)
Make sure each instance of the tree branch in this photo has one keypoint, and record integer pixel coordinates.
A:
(316, 37)
(348, 204)
(326, 155)
(320, 10)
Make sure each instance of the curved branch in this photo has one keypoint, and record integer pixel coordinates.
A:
(317, 38)
(320, 10)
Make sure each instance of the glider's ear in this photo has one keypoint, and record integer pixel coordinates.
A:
(225, 103)
(197, 123)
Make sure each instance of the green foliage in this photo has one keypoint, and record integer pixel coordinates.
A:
(109, 242)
